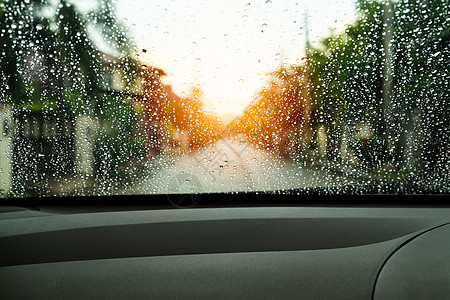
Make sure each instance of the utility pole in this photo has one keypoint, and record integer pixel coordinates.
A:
(308, 122)
(306, 34)
(388, 72)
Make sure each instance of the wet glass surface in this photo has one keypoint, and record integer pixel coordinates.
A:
(106, 97)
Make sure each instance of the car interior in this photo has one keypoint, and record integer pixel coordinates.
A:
(258, 149)
(265, 248)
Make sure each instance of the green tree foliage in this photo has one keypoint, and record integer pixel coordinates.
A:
(51, 60)
(348, 75)
(422, 74)
(49, 46)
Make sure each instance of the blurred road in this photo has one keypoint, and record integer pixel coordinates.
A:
(229, 166)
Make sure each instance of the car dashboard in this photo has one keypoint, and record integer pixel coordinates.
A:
(290, 252)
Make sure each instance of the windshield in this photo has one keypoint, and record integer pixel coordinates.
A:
(101, 97)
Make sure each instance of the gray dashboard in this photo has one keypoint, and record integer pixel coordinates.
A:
(223, 253)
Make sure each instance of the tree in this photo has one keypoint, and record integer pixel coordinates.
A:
(55, 40)
(348, 75)
(279, 118)
(52, 63)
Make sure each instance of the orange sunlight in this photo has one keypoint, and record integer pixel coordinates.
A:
(226, 48)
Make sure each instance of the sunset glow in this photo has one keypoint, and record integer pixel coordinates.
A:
(226, 48)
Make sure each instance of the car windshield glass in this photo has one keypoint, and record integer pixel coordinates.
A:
(101, 97)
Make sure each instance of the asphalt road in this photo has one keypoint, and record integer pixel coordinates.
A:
(229, 166)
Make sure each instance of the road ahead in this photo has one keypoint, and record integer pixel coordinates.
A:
(227, 166)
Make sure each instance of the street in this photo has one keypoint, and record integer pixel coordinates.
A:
(229, 166)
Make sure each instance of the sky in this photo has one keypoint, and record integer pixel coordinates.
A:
(227, 48)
